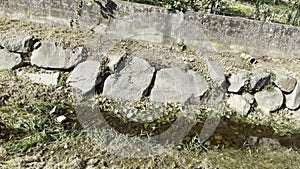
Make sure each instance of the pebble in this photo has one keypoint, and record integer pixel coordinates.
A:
(61, 118)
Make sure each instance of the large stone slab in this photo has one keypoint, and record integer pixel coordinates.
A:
(9, 60)
(259, 80)
(41, 78)
(293, 99)
(216, 72)
(249, 97)
(237, 81)
(269, 100)
(17, 43)
(115, 57)
(239, 104)
(49, 55)
(294, 115)
(285, 82)
(174, 85)
(130, 82)
(84, 76)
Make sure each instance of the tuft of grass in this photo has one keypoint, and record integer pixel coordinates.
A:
(26, 118)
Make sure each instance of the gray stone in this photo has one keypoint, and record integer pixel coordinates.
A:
(115, 58)
(61, 118)
(284, 82)
(259, 80)
(174, 85)
(239, 104)
(19, 43)
(41, 78)
(249, 97)
(252, 140)
(84, 76)
(130, 82)
(267, 142)
(48, 55)
(237, 81)
(294, 115)
(269, 101)
(9, 60)
(216, 72)
(293, 99)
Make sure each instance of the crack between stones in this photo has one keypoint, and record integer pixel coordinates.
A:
(147, 91)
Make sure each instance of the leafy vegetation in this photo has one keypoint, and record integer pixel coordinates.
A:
(286, 12)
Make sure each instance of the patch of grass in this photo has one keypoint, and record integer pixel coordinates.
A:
(26, 118)
(62, 79)
(237, 10)
(20, 146)
(33, 127)
(272, 76)
(262, 157)
(269, 87)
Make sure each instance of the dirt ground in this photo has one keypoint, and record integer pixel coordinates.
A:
(82, 153)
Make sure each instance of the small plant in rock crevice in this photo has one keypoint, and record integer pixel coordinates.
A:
(79, 7)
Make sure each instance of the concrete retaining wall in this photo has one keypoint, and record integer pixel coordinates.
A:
(119, 19)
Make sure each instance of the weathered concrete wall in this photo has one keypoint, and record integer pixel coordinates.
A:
(142, 22)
